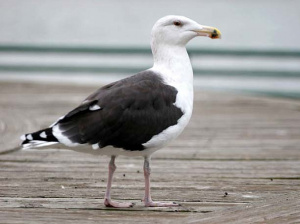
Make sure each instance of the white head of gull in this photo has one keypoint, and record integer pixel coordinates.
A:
(137, 115)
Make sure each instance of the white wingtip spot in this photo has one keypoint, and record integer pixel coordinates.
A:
(29, 137)
(95, 146)
(43, 135)
(94, 107)
(23, 137)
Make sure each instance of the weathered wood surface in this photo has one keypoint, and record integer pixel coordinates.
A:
(248, 147)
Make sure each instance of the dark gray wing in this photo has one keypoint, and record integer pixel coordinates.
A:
(123, 114)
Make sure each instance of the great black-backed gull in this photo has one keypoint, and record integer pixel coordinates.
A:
(135, 116)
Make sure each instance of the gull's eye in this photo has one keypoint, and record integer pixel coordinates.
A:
(177, 23)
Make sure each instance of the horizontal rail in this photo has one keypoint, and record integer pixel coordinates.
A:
(125, 70)
(16, 67)
(144, 50)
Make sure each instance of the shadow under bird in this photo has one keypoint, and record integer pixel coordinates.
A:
(138, 115)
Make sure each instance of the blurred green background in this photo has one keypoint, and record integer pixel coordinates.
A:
(100, 41)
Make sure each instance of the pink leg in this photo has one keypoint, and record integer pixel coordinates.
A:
(107, 200)
(147, 199)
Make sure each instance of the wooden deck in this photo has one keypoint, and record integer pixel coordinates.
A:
(237, 162)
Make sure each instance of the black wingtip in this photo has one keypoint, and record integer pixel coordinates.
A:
(42, 135)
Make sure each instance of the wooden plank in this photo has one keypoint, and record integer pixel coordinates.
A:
(238, 161)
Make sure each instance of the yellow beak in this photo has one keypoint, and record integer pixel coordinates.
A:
(209, 31)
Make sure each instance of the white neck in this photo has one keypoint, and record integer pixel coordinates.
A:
(173, 63)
